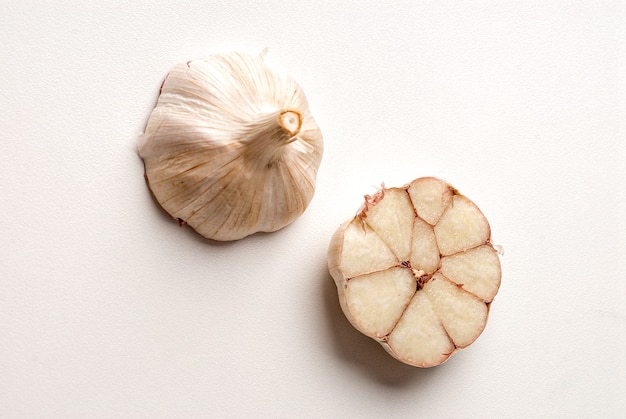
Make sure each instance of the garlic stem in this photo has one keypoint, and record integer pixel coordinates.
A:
(266, 137)
(291, 121)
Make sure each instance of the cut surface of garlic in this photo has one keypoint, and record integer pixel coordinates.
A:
(231, 147)
(415, 270)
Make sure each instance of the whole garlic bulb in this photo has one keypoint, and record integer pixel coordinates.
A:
(231, 147)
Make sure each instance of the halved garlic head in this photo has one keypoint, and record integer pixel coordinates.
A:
(231, 147)
(415, 270)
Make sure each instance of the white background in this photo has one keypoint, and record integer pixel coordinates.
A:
(109, 309)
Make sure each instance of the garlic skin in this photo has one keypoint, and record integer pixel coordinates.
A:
(231, 147)
(416, 271)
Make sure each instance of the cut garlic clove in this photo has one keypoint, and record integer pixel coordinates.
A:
(419, 338)
(416, 271)
(231, 147)
(392, 219)
(461, 313)
(377, 300)
(477, 270)
(430, 198)
(363, 251)
(424, 249)
(461, 227)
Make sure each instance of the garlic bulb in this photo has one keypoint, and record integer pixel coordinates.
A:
(231, 147)
(416, 271)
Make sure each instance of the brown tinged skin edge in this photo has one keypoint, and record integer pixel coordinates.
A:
(457, 260)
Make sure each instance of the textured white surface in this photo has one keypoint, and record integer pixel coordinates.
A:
(109, 309)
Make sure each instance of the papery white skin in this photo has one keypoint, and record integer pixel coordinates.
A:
(416, 271)
(231, 147)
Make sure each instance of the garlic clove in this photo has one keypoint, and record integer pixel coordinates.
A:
(363, 251)
(461, 313)
(430, 197)
(416, 271)
(419, 337)
(392, 219)
(477, 270)
(231, 147)
(461, 227)
(424, 249)
(378, 299)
